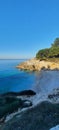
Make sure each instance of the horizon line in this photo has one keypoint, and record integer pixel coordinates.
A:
(13, 58)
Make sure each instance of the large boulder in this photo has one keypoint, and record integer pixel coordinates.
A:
(22, 93)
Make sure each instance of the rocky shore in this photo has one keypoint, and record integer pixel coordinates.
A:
(36, 109)
(12, 101)
(42, 117)
(37, 65)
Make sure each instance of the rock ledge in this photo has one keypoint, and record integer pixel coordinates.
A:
(37, 65)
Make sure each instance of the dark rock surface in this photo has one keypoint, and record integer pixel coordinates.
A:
(10, 105)
(50, 96)
(22, 93)
(42, 117)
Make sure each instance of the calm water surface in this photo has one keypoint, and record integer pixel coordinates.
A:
(12, 79)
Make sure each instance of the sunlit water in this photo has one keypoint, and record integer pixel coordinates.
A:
(12, 79)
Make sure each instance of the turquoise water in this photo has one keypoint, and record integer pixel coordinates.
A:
(12, 79)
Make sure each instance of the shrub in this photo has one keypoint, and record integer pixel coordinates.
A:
(52, 52)
(42, 53)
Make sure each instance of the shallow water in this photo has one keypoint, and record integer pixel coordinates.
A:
(12, 79)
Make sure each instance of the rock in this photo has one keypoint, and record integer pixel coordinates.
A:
(26, 103)
(22, 93)
(10, 104)
(27, 92)
(37, 65)
(2, 119)
(54, 96)
(41, 117)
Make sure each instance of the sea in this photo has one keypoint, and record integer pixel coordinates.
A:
(13, 79)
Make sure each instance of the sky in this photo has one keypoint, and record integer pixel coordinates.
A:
(27, 26)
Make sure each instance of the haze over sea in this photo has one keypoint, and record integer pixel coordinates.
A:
(12, 79)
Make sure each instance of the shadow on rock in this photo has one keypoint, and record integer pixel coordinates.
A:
(10, 105)
(42, 117)
(22, 93)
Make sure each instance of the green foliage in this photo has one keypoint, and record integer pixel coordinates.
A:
(56, 43)
(52, 52)
(42, 53)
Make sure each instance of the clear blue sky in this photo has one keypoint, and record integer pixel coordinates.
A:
(27, 26)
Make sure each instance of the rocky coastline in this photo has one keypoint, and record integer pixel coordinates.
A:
(12, 101)
(38, 65)
(28, 110)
